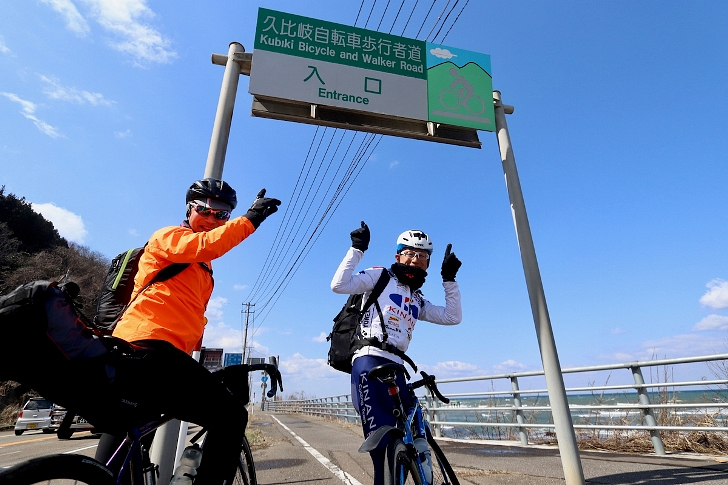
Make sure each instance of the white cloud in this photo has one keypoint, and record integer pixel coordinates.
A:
(214, 310)
(3, 48)
(123, 18)
(617, 331)
(712, 322)
(717, 295)
(451, 368)
(74, 20)
(220, 335)
(680, 346)
(28, 109)
(68, 224)
(442, 53)
(321, 338)
(509, 365)
(393, 164)
(618, 357)
(54, 90)
(240, 287)
(303, 367)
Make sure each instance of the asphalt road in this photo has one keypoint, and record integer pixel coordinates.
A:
(293, 449)
(32, 444)
(285, 459)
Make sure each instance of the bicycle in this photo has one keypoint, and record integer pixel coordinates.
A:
(413, 456)
(136, 464)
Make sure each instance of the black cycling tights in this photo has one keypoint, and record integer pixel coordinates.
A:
(163, 379)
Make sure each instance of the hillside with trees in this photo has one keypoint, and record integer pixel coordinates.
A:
(31, 249)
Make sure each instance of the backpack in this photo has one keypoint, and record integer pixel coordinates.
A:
(50, 347)
(115, 294)
(43, 330)
(346, 337)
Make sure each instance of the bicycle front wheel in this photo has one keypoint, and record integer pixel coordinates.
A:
(58, 470)
(403, 467)
(442, 473)
(246, 468)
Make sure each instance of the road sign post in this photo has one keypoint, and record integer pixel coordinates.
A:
(568, 448)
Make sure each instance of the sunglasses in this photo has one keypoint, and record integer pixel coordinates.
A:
(221, 215)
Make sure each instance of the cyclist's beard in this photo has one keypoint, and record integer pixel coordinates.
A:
(412, 276)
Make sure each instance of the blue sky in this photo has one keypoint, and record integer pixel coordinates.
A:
(619, 132)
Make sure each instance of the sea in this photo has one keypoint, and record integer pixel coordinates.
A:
(491, 412)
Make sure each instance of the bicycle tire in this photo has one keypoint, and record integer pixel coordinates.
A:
(58, 469)
(245, 475)
(403, 468)
(442, 473)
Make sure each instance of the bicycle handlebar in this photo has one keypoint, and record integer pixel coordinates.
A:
(429, 382)
(233, 375)
(275, 376)
(386, 373)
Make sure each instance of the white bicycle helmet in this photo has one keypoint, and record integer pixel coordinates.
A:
(414, 239)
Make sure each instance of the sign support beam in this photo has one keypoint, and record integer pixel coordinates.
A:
(565, 435)
(224, 114)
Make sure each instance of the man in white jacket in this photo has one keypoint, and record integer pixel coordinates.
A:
(402, 304)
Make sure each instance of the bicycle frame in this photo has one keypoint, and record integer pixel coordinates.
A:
(137, 463)
(410, 423)
(137, 459)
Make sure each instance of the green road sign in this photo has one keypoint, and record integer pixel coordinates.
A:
(303, 59)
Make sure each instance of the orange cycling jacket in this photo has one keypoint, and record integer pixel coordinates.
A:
(174, 310)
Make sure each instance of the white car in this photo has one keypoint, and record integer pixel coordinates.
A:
(66, 424)
(36, 414)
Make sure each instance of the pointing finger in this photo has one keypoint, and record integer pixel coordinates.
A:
(447, 250)
(261, 194)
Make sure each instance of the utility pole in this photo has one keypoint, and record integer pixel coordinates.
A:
(247, 311)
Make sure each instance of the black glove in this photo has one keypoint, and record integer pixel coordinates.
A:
(450, 265)
(360, 237)
(262, 207)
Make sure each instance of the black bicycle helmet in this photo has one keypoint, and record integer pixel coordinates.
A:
(210, 188)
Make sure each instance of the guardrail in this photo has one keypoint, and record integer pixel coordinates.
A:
(635, 406)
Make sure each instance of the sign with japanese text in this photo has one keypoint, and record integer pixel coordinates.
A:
(326, 63)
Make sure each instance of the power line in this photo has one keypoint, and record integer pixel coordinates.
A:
(279, 269)
(438, 19)
(454, 21)
(445, 19)
(383, 14)
(425, 19)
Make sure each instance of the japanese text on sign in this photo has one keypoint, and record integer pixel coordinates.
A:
(316, 39)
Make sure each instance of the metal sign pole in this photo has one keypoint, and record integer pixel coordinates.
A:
(224, 114)
(568, 449)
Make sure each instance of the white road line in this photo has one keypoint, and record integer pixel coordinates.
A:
(80, 449)
(338, 472)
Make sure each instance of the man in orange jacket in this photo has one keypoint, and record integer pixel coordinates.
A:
(165, 322)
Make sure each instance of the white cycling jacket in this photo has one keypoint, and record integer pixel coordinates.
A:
(401, 308)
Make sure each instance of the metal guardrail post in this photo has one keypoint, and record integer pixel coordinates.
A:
(650, 420)
(436, 416)
(522, 433)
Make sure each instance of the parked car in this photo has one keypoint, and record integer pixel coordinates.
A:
(66, 423)
(36, 414)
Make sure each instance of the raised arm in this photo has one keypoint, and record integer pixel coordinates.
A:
(345, 281)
